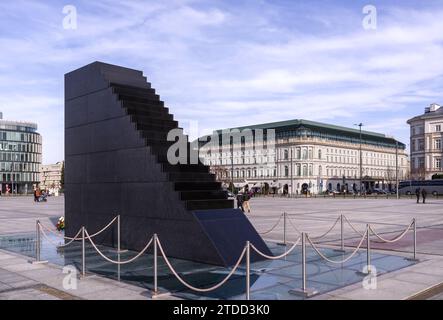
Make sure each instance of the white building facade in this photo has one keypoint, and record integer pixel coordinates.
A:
(51, 178)
(312, 157)
(426, 143)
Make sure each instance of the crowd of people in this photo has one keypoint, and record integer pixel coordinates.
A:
(40, 195)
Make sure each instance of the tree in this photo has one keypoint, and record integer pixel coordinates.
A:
(62, 177)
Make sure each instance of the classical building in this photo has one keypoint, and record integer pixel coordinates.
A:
(51, 177)
(306, 156)
(20, 156)
(426, 143)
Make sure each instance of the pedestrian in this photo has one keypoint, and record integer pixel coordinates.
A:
(246, 199)
(417, 194)
(424, 193)
(240, 202)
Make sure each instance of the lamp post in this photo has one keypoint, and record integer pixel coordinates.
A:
(361, 157)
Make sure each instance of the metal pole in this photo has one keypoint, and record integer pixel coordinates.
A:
(342, 234)
(292, 176)
(83, 253)
(303, 263)
(284, 228)
(155, 264)
(37, 244)
(248, 271)
(118, 233)
(361, 162)
(368, 246)
(415, 239)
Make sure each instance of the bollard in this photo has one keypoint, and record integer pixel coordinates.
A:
(248, 271)
(304, 291)
(83, 253)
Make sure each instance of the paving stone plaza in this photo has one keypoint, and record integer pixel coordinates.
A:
(398, 278)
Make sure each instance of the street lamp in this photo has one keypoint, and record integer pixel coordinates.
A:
(361, 157)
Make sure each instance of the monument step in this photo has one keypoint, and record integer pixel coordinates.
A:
(157, 135)
(209, 204)
(157, 126)
(167, 167)
(186, 176)
(195, 186)
(141, 92)
(202, 195)
(154, 120)
(154, 105)
(154, 100)
(156, 111)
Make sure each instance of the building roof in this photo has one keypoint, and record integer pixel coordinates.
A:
(322, 127)
(433, 111)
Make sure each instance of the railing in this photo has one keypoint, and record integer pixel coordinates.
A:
(244, 255)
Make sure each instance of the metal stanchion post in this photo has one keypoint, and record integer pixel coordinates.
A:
(414, 258)
(119, 248)
(284, 231)
(342, 236)
(304, 291)
(248, 269)
(155, 265)
(368, 252)
(38, 243)
(83, 253)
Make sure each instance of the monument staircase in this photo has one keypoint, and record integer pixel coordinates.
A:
(197, 187)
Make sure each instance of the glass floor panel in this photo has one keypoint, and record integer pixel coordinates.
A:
(270, 279)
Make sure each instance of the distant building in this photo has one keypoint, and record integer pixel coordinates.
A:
(426, 143)
(51, 177)
(309, 156)
(20, 156)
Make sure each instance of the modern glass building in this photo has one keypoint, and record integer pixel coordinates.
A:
(20, 156)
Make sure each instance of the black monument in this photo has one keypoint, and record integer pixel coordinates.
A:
(115, 152)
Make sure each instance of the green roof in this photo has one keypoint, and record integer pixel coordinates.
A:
(318, 126)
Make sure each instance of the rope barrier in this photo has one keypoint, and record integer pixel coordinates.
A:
(75, 237)
(293, 226)
(200, 289)
(270, 230)
(395, 239)
(327, 232)
(352, 226)
(114, 261)
(333, 261)
(276, 257)
(59, 245)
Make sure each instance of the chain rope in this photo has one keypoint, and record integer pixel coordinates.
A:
(276, 257)
(352, 226)
(342, 261)
(200, 289)
(75, 238)
(114, 261)
(270, 230)
(395, 239)
(57, 244)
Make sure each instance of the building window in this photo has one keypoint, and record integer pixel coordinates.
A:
(438, 144)
(298, 170)
(319, 154)
(421, 144)
(298, 153)
(286, 154)
(438, 128)
(320, 171)
(286, 171)
(438, 163)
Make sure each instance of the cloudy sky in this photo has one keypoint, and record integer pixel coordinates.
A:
(229, 63)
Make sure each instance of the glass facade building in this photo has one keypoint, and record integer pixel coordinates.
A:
(20, 157)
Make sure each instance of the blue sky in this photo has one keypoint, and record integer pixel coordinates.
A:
(231, 63)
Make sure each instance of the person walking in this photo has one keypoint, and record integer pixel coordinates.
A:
(246, 198)
(240, 202)
(417, 194)
(424, 193)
